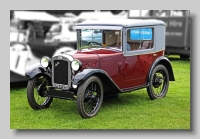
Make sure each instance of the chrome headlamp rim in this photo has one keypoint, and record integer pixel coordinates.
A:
(45, 61)
(76, 65)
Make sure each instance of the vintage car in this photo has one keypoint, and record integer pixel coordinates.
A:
(130, 57)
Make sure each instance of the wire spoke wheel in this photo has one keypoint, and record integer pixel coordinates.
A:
(40, 91)
(37, 92)
(90, 97)
(159, 82)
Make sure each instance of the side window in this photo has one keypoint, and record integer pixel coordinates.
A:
(139, 39)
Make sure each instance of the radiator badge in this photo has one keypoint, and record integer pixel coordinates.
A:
(56, 64)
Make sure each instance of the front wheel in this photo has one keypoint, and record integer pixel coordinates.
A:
(158, 83)
(90, 97)
(37, 92)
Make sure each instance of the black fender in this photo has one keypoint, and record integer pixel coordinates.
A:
(164, 61)
(108, 84)
(37, 69)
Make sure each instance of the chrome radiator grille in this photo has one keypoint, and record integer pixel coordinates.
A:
(61, 72)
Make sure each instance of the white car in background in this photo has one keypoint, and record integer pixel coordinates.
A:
(24, 54)
(21, 59)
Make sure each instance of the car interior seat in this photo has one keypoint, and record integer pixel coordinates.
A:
(145, 45)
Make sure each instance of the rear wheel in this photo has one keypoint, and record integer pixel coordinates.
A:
(37, 92)
(159, 82)
(90, 97)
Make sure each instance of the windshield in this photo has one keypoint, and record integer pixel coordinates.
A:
(97, 38)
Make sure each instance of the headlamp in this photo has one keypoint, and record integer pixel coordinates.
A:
(76, 65)
(45, 61)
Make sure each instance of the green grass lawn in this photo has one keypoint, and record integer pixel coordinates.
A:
(130, 111)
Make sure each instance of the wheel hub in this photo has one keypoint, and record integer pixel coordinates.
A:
(41, 90)
(157, 81)
(90, 95)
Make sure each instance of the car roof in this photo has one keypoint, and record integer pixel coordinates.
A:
(122, 22)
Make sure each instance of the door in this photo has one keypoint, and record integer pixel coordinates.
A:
(139, 58)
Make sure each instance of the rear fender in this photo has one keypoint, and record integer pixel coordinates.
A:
(163, 61)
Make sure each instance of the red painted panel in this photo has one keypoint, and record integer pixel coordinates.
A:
(88, 60)
(137, 68)
(126, 72)
(113, 64)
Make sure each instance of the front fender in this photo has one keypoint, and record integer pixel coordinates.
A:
(82, 76)
(35, 70)
(164, 61)
(108, 84)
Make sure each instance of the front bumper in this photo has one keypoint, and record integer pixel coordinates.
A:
(63, 94)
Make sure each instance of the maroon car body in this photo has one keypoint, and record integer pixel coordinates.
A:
(126, 72)
(130, 57)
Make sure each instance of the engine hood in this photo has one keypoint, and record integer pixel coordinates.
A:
(92, 58)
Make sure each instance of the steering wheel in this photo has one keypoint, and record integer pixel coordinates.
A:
(90, 43)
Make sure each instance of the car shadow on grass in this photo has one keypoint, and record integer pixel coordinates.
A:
(60, 107)
(129, 98)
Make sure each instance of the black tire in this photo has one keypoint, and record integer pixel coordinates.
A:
(158, 83)
(36, 92)
(90, 97)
